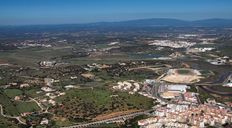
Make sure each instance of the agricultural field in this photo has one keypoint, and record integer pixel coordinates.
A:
(31, 56)
(85, 104)
(14, 108)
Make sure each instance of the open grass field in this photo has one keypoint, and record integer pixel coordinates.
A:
(32, 92)
(31, 56)
(102, 59)
(8, 106)
(26, 107)
(184, 71)
(13, 92)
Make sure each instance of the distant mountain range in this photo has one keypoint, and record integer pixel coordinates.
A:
(121, 25)
(165, 22)
(154, 22)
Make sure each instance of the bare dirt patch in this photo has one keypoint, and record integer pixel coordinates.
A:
(186, 76)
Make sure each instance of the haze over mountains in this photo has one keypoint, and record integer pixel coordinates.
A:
(140, 23)
(159, 22)
(175, 22)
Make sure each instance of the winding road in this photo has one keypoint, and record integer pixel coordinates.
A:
(11, 117)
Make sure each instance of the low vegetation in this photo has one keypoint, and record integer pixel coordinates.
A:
(82, 105)
(14, 108)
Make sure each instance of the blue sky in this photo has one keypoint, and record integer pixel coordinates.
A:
(21, 12)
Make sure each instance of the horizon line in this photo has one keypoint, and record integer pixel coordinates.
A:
(48, 24)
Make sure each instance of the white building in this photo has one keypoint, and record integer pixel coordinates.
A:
(177, 88)
(48, 81)
(47, 89)
(24, 85)
(44, 121)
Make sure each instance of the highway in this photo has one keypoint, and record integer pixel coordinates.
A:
(111, 120)
(208, 89)
(220, 81)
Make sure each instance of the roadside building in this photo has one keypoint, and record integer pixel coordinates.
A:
(48, 81)
(24, 85)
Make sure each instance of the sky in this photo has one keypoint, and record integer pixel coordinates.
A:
(27, 12)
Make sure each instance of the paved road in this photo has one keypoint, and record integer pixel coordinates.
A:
(220, 81)
(223, 77)
(207, 84)
(124, 117)
(208, 89)
(39, 104)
